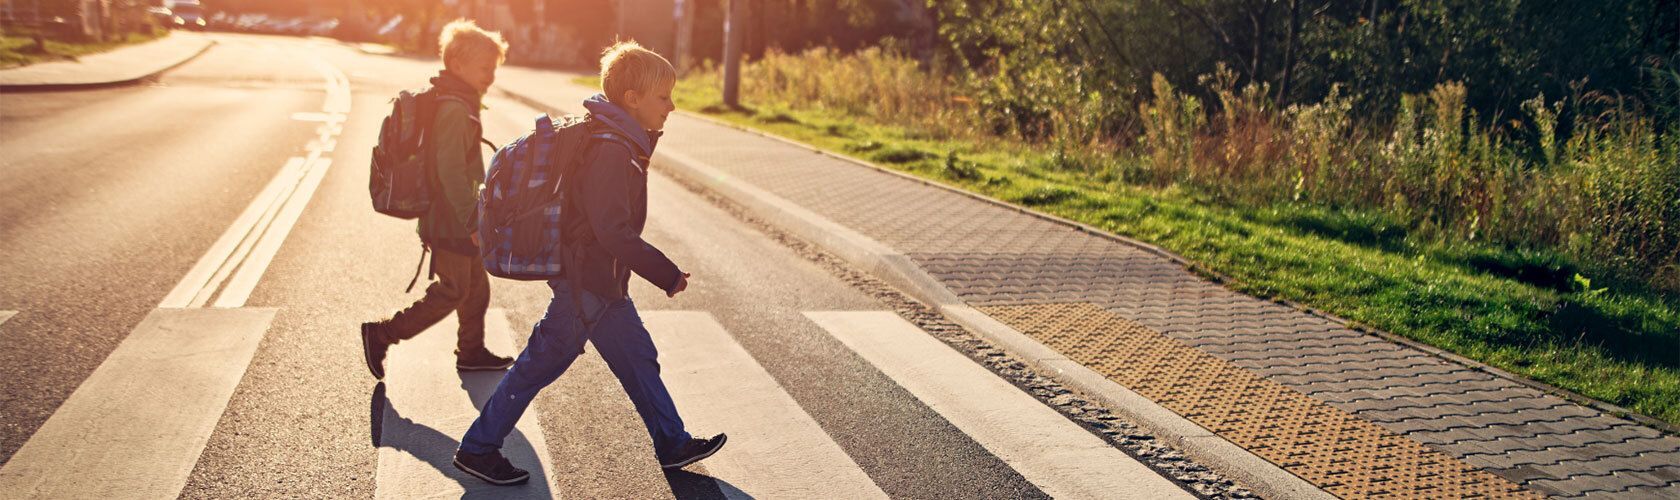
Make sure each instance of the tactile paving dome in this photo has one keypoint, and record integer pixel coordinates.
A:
(1339, 452)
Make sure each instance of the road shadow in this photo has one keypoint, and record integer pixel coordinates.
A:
(686, 485)
(436, 449)
(376, 413)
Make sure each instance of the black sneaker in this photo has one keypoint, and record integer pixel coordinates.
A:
(373, 350)
(694, 450)
(492, 467)
(481, 359)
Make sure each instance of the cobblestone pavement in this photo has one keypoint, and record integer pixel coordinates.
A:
(995, 257)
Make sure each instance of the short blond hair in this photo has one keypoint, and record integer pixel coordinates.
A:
(462, 39)
(627, 66)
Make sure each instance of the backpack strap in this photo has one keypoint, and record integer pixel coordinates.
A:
(439, 96)
(450, 96)
(606, 133)
(424, 249)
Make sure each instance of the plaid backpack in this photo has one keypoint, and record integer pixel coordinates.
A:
(525, 196)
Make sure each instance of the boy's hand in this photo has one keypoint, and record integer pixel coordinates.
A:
(682, 284)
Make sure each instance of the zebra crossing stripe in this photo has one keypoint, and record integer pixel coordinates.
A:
(5, 315)
(136, 426)
(1050, 451)
(427, 411)
(775, 449)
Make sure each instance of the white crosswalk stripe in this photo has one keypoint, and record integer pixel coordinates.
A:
(136, 426)
(775, 449)
(1050, 451)
(429, 407)
(5, 315)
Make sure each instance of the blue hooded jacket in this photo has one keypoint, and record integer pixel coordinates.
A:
(612, 194)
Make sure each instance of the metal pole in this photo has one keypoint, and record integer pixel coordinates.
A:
(734, 29)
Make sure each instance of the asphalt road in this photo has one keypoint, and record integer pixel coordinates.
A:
(111, 197)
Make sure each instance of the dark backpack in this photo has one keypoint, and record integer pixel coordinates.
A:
(401, 177)
(525, 198)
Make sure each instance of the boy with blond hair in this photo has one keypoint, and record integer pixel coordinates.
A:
(611, 211)
(470, 58)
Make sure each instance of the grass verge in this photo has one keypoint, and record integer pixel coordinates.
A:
(16, 51)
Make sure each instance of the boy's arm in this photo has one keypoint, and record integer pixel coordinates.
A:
(453, 134)
(605, 196)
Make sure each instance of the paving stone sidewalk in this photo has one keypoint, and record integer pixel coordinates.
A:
(115, 67)
(1352, 412)
(992, 256)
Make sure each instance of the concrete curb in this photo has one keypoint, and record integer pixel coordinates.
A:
(898, 270)
(53, 87)
(1218, 278)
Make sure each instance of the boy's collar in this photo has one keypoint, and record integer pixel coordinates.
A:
(620, 119)
(450, 82)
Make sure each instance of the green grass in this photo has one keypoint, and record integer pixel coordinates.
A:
(20, 50)
(1526, 312)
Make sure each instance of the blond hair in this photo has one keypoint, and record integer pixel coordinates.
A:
(463, 39)
(627, 66)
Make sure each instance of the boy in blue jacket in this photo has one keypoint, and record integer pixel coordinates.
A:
(611, 195)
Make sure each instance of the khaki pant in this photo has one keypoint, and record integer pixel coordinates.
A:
(462, 287)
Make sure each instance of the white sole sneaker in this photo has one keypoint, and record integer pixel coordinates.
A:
(718, 445)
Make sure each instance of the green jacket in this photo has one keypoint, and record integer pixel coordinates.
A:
(459, 163)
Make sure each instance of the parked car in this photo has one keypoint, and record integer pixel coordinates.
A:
(187, 15)
(161, 16)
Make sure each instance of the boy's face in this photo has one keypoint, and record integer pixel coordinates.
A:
(479, 72)
(650, 108)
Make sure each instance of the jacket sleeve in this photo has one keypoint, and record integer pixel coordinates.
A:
(455, 136)
(605, 192)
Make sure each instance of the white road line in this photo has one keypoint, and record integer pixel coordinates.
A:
(322, 146)
(271, 215)
(292, 173)
(429, 407)
(135, 428)
(239, 288)
(775, 449)
(1050, 451)
(187, 292)
(5, 315)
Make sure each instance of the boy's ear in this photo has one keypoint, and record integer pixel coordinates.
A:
(630, 96)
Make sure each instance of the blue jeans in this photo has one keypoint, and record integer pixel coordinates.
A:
(556, 341)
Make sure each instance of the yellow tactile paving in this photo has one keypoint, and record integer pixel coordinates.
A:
(1343, 454)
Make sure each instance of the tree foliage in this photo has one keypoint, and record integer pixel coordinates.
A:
(1503, 51)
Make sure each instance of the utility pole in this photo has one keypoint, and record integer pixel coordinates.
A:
(734, 29)
(685, 35)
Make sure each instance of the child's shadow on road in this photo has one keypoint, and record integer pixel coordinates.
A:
(390, 429)
(434, 448)
(687, 485)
